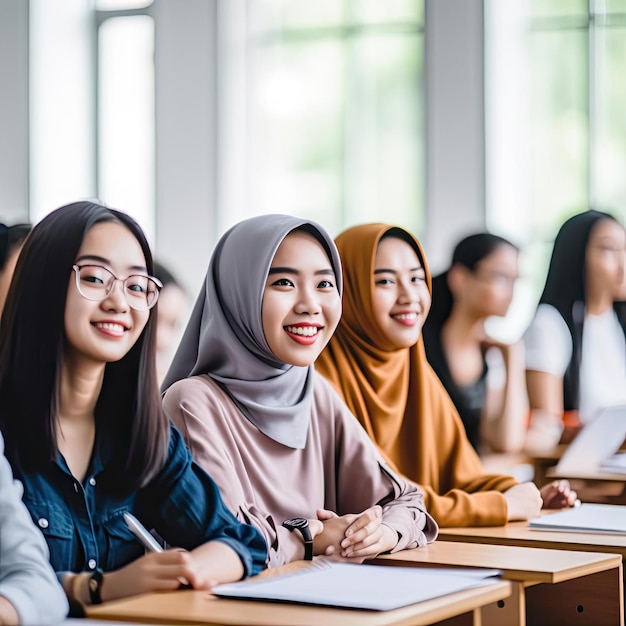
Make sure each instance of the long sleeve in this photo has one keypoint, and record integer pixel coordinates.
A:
(364, 478)
(264, 482)
(457, 490)
(195, 408)
(185, 505)
(26, 577)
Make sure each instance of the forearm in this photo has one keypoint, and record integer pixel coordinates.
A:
(217, 562)
(506, 406)
(406, 513)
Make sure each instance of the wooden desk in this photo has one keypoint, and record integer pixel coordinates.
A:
(548, 586)
(518, 534)
(200, 607)
(543, 462)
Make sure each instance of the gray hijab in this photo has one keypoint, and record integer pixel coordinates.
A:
(224, 337)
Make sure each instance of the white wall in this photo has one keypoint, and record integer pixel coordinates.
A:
(14, 196)
(455, 148)
(186, 136)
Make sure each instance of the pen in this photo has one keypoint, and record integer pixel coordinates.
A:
(148, 541)
(139, 530)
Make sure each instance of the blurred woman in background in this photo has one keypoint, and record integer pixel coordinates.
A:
(576, 345)
(478, 285)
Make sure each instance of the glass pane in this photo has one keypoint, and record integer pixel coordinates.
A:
(297, 130)
(121, 5)
(126, 117)
(610, 6)
(610, 147)
(559, 129)
(388, 11)
(557, 8)
(384, 119)
(279, 15)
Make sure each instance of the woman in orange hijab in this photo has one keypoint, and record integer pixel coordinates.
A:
(376, 361)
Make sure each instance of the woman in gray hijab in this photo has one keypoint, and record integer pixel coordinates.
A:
(284, 449)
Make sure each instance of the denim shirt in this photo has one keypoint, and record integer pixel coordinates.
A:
(84, 526)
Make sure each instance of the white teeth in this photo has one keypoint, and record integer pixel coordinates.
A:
(305, 331)
(406, 316)
(116, 328)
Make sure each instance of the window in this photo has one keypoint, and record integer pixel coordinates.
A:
(92, 106)
(126, 141)
(326, 107)
(556, 132)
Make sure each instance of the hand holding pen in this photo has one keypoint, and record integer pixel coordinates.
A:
(148, 541)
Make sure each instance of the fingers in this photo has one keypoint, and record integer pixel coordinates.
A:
(170, 569)
(369, 545)
(363, 528)
(325, 514)
(370, 518)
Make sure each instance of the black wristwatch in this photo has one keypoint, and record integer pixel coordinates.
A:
(302, 524)
(95, 586)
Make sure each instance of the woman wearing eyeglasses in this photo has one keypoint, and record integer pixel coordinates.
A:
(479, 284)
(81, 415)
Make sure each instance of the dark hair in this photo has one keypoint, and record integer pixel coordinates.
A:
(565, 290)
(165, 276)
(11, 236)
(313, 231)
(396, 232)
(32, 350)
(468, 253)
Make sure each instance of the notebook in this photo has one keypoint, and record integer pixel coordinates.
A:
(592, 518)
(348, 585)
(596, 442)
(615, 464)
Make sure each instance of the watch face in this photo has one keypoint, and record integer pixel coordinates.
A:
(296, 522)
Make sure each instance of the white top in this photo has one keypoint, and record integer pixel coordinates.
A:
(27, 579)
(548, 347)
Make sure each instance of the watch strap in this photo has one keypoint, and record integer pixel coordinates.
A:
(302, 525)
(308, 543)
(94, 584)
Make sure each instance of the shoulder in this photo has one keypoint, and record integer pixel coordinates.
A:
(331, 411)
(325, 396)
(190, 390)
(547, 319)
(548, 342)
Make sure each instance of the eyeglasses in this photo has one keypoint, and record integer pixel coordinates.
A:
(95, 282)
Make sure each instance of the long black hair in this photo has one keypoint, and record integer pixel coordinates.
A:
(32, 350)
(565, 291)
(468, 253)
(11, 236)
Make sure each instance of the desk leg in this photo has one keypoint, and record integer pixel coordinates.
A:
(510, 612)
(595, 600)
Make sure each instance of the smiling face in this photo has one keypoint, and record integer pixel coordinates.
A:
(105, 331)
(401, 299)
(301, 304)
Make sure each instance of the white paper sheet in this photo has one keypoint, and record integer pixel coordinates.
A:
(596, 442)
(374, 587)
(596, 518)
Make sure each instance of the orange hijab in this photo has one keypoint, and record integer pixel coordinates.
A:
(398, 398)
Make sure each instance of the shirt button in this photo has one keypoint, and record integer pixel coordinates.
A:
(92, 564)
(92, 482)
(43, 522)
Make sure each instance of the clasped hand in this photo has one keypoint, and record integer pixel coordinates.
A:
(353, 537)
